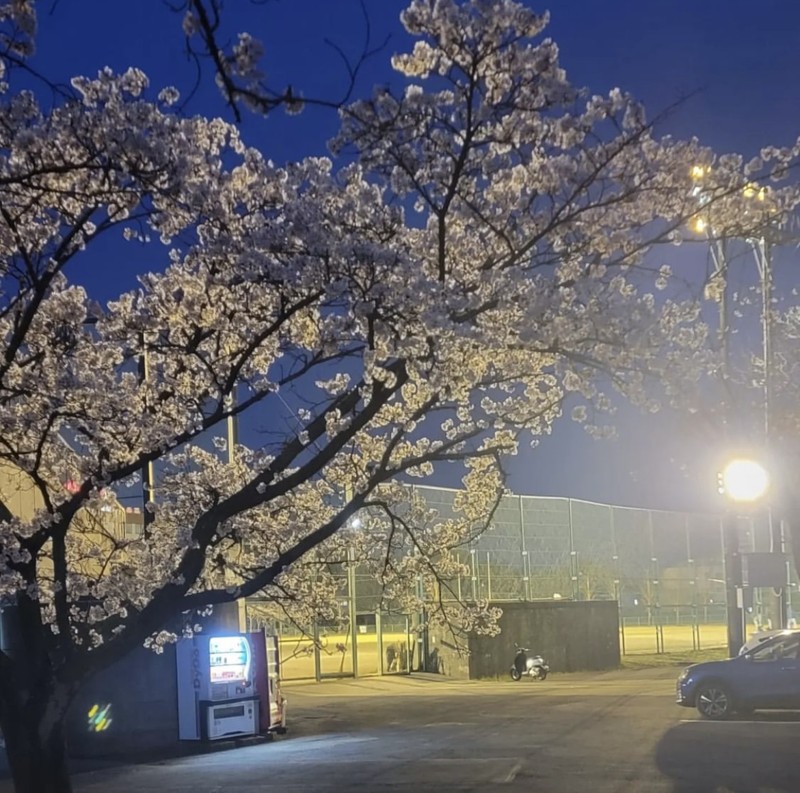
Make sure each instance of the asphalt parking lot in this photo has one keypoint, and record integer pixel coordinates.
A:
(615, 732)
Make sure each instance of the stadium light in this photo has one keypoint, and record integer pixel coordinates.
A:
(744, 480)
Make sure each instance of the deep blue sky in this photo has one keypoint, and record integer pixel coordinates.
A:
(739, 60)
(743, 57)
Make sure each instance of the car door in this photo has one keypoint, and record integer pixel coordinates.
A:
(773, 674)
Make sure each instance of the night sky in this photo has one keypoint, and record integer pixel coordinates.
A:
(735, 64)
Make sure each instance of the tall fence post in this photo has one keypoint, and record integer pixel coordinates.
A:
(526, 568)
(573, 554)
(353, 607)
(474, 568)
(379, 641)
(317, 659)
(617, 580)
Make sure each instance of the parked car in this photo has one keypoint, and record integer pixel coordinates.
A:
(766, 677)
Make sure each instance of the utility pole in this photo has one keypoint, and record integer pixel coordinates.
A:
(148, 474)
(731, 552)
(761, 247)
(719, 255)
(232, 431)
(236, 612)
(733, 583)
(763, 256)
(352, 603)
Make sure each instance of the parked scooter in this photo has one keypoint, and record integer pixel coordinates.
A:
(525, 663)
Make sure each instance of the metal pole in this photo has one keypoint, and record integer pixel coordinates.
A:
(573, 554)
(655, 610)
(730, 531)
(409, 647)
(351, 598)
(379, 641)
(693, 583)
(733, 581)
(148, 476)
(617, 580)
(232, 431)
(474, 570)
(526, 580)
(763, 257)
(317, 659)
(526, 574)
(787, 610)
(719, 254)
(232, 439)
(351, 590)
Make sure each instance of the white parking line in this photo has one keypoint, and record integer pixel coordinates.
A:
(741, 721)
(510, 776)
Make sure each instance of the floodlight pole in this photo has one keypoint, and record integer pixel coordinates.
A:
(732, 559)
(733, 583)
(763, 256)
(148, 472)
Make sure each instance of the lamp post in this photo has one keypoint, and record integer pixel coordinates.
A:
(762, 250)
(766, 228)
(742, 481)
(352, 603)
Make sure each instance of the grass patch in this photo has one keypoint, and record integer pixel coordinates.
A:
(681, 658)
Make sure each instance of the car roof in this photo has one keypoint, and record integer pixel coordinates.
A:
(773, 636)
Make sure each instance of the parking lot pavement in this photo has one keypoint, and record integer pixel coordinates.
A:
(614, 733)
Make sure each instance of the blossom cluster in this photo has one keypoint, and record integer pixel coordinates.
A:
(435, 300)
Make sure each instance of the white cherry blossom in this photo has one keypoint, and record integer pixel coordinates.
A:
(368, 344)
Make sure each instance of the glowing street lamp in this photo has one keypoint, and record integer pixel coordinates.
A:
(744, 480)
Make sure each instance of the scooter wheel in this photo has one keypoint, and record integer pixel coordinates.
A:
(542, 674)
(515, 673)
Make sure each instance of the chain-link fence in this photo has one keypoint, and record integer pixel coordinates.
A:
(665, 569)
(359, 639)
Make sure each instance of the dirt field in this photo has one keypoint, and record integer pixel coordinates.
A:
(336, 658)
(643, 639)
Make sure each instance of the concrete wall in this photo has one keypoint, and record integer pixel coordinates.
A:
(445, 657)
(142, 692)
(572, 636)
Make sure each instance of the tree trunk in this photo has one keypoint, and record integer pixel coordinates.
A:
(36, 750)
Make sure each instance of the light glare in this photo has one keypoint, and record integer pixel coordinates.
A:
(745, 480)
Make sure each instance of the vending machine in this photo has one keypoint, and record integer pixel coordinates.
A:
(216, 694)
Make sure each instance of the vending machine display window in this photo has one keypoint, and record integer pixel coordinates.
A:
(228, 659)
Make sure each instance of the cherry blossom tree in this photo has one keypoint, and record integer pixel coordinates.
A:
(428, 299)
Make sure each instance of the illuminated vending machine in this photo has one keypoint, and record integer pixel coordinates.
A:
(216, 695)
